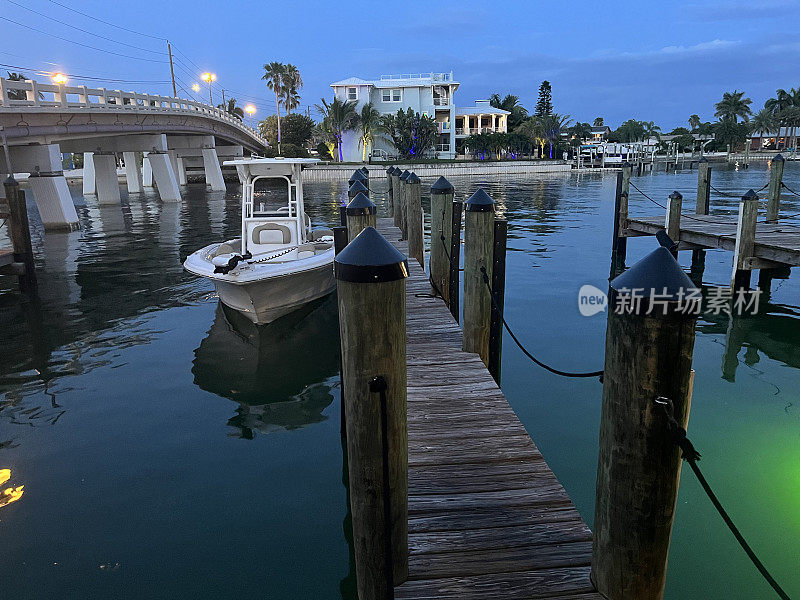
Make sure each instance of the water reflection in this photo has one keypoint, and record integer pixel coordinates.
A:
(277, 373)
(10, 494)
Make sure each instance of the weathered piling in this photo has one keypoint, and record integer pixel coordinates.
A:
(499, 289)
(358, 175)
(745, 241)
(356, 188)
(455, 259)
(370, 276)
(441, 231)
(775, 185)
(396, 197)
(20, 234)
(702, 207)
(646, 356)
(619, 243)
(389, 192)
(361, 213)
(478, 254)
(403, 200)
(673, 219)
(416, 236)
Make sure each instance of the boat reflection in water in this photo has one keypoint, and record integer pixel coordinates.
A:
(279, 374)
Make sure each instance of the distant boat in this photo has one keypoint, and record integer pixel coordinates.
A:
(278, 264)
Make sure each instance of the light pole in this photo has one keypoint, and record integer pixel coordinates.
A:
(250, 110)
(209, 78)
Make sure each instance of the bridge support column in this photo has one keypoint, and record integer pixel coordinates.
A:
(133, 174)
(213, 170)
(164, 175)
(181, 172)
(89, 184)
(147, 172)
(173, 159)
(52, 197)
(105, 171)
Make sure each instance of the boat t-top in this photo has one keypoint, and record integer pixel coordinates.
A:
(279, 263)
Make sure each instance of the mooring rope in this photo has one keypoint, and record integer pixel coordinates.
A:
(691, 456)
(790, 190)
(729, 195)
(691, 217)
(519, 344)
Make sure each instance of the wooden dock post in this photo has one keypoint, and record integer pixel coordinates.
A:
(455, 259)
(20, 233)
(416, 236)
(370, 276)
(702, 207)
(499, 288)
(396, 197)
(403, 200)
(619, 244)
(775, 185)
(673, 219)
(478, 254)
(361, 213)
(441, 231)
(389, 192)
(356, 188)
(646, 356)
(745, 241)
(358, 175)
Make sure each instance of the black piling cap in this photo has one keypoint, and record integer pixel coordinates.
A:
(358, 174)
(657, 275)
(442, 186)
(357, 188)
(404, 175)
(703, 159)
(369, 258)
(412, 178)
(395, 171)
(365, 171)
(778, 157)
(361, 205)
(480, 201)
(390, 170)
(676, 195)
(750, 195)
(626, 164)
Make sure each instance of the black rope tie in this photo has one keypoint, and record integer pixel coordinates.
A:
(525, 350)
(683, 215)
(691, 456)
(378, 385)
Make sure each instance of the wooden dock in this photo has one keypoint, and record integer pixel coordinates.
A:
(487, 516)
(774, 242)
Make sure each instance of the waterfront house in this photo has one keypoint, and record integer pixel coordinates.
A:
(429, 94)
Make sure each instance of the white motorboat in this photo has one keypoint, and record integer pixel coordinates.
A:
(279, 263)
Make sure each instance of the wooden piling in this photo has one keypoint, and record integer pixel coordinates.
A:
(403, 210)
(370, 276)
(416, 236)
(20, 234)
(478, 253)
(396, 197)
(646, 356)
(358, 175)
(361, 213)
(389, 192)
(745, 241)
(775, 185)
(499, 288)
(455, 260)
(441, 231)
(619, 243)
(673, 218)
(703, 187)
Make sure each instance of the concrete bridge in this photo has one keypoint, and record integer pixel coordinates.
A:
(40, 121)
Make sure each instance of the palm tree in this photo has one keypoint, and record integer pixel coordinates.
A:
(19, 94)
(510, 103)
(370, 124)
(651, 130)
(341, 116)
(533, 129)
(291, 84)
(694, 122)
(232, 109)
(732, 106)
(764, 121)
(274, 76)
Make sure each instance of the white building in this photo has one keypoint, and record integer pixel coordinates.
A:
(429, 94)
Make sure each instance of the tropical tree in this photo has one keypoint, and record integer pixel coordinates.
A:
(581, 131)
(480, 144)
(369, 125)
(533, 130)
(631, 131)
(274, 76)
(544, 105)
(510, 103)
(292, 83)
(786, 108)
(552, 126)
(729, 131)
(694, 122)
(341, 116)
(651, 130)
(19, 94)
(732, 106)
(764, 121)
(231, 108)
(413, 134)
(683, 138)
(296, 128)
(598, 122)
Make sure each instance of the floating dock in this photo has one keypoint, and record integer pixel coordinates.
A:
(487, 516)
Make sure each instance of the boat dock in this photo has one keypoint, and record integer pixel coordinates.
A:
(486, 515)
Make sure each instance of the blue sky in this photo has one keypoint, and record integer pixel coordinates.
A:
(659, 61)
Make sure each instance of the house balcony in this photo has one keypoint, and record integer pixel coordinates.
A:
(443, 102)
(444, 127)
(461, 131)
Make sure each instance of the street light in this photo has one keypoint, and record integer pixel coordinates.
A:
(250, 110)
(59, 79)
(196, 87)
(209, 78)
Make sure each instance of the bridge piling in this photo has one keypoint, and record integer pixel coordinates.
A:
(147, 171)
(107, 181)
(89, 181)
(213, 170)
(133, 173)
(164, 176)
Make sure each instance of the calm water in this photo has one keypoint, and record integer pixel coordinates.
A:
(167, 450)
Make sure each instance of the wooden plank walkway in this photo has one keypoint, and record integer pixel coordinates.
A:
(487, 516)
(777, 242)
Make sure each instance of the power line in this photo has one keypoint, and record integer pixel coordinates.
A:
(88, 77)
(155, 37)
(81, 44)
(36, 12)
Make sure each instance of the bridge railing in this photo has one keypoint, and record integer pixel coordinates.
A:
(31, 94)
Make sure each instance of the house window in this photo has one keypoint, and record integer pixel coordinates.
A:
(391, 95)
(352, 93)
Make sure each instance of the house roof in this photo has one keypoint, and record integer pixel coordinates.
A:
(352, 81)
(601, 129)
(482, 109)
(395, 82)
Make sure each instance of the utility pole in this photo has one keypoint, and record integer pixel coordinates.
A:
(223, 98)
(172, 70)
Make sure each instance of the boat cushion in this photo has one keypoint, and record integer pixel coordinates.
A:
(272, 233)
(321, 233)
